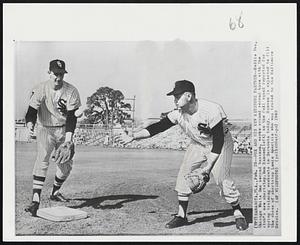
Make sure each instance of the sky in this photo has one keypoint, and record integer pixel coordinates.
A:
(221, 71)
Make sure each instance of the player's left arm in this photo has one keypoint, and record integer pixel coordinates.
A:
(218, 141)
(160, 126)
(149, 131)
(71, 120)
(153, 129)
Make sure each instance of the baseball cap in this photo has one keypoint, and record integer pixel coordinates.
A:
(181, 87)
(57, 66)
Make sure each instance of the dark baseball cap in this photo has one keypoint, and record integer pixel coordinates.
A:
(57, 66)
(181, 87)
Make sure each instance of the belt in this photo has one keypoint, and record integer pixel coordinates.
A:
(54, 126)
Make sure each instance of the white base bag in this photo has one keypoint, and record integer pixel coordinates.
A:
(61, 213)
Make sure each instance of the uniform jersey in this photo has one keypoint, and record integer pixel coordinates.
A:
(52, 105)
(198, 125)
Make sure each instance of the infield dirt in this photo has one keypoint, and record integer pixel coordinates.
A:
(128, 192)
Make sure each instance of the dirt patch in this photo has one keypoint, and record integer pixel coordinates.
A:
(128, 192)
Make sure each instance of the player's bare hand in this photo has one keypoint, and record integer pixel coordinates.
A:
(123, 138)
(30, 131)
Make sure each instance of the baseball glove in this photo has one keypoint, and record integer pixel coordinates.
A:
(64, 153)
(197, 180)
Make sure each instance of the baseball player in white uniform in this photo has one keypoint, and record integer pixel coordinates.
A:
(52, 107)
(211, 147)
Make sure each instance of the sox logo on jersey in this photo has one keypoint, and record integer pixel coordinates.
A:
(204, 129)
(62, 107)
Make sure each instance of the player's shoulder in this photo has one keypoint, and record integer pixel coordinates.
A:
(210, 108)
(40, 87)
(69, 86)
(41, 84)
(174, 112)
(174, 115)
(208, 105)
(70, 89)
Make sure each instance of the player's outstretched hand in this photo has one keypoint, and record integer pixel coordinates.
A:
(123, 138)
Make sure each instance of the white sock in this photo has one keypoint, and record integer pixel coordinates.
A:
(183, 201)
(237, 213)
(36, 197)
(181, 211)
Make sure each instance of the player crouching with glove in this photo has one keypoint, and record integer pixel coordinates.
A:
(210, 150)
(53, 103)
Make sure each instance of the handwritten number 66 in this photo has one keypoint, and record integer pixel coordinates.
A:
(234, 23)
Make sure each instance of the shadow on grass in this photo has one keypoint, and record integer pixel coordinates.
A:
(120, 200)
(221, 214)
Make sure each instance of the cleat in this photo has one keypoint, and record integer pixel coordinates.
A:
(177, 221)
(241, 223)
(32, 208)
(58, 198)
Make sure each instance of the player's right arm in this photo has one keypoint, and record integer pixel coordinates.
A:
(30, 119)
(34, 104)
(149, 131)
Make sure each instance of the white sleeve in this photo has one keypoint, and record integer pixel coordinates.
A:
(74, 101)
(216, 115)
(37, 97)
(173, 116)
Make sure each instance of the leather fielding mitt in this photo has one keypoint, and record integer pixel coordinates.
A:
(196, 180)
(64, 153)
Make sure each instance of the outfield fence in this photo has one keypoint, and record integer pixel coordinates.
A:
(91, 134)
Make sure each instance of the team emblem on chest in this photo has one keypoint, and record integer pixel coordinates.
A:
(204, 129)
(61, 106)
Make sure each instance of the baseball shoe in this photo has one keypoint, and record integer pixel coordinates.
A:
(32, 208)
(241, 223)
(58, 197)
(177, 221)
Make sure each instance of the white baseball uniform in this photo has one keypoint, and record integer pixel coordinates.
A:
(207, 116)
(52, 106)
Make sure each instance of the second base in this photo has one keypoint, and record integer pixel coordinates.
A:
(61, 213)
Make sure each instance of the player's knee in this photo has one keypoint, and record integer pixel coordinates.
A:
(229, 189)
(44, 156)
(219, 180)
(222, 179)
(40, 169)
(227, 186)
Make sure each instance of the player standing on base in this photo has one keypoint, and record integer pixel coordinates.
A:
(52, 105)
(210, 150)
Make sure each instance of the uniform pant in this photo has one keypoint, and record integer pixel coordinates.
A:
(196, 156)
(48, 139)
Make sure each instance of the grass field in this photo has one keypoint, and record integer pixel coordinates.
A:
(128, 192)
